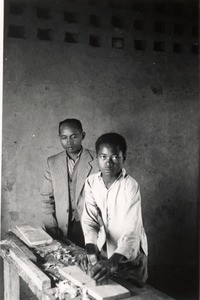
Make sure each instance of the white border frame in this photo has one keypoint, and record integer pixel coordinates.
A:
(1, 90)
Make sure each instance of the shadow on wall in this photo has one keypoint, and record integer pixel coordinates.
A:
(161, 161)
(176, 272)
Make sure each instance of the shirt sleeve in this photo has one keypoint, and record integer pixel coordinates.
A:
(47, 200)
(129, 241)
(90, 223)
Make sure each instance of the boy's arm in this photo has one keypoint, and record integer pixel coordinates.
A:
(48, 202)
(129, 242)
(90, 226)
(90, 223)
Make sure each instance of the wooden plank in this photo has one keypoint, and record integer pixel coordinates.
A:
(145, 293)
(11, 282)
(36, 276)
(36, 280)
(21, 246)
(19, 235)
(109, 291)
(32, 236)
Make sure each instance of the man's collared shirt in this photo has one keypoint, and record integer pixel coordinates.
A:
(119, 207)
(71, 163)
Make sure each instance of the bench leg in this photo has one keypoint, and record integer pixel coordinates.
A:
(11, 282)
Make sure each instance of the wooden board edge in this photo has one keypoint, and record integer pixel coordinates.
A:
(91, 292)
(15, 240)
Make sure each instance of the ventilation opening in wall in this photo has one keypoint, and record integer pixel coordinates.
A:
(178, 48)
(42, 13)
(139, 24)
(178, 29)
(159, 46)
(118, 43)
(16, 31)
(16, 8)
(44, 34)
(159, 27)
(94, 41)
(71, 37)
(70, 17)
(94, 20)
(117, 21)
(140, 45)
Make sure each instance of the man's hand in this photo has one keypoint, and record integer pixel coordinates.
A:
(104, 268)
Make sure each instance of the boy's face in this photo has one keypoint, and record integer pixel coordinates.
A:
(110, 160)
(71, 138)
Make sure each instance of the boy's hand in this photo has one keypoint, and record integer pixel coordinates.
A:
(101, 270)
(82, 262)
(104, 268)
(86, 261)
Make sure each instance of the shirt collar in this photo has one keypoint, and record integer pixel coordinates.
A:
(122, 174)
(78, 155)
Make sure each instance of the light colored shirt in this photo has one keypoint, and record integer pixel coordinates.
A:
(71, 163)
(119, 207)
(72, 171)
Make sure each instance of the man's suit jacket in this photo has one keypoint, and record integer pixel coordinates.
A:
(55, 190)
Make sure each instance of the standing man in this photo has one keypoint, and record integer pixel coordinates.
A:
(63, 187)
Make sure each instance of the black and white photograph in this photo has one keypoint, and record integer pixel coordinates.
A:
(99, 126)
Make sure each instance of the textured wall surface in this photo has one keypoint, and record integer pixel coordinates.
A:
(123, 66)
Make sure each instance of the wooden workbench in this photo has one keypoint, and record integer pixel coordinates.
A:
(19, 261)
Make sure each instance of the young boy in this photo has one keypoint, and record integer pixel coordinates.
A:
(114, 196)
(64, 178)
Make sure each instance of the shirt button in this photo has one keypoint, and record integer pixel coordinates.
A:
(67, 210)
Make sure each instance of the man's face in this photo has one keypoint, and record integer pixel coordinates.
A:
(71, 138)
(110, 160)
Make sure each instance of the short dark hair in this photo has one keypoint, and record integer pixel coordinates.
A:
(112, 139)
(74, 122)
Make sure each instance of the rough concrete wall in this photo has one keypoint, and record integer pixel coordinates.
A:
(133, 70)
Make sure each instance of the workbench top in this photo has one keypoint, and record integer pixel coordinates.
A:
(39, 267)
